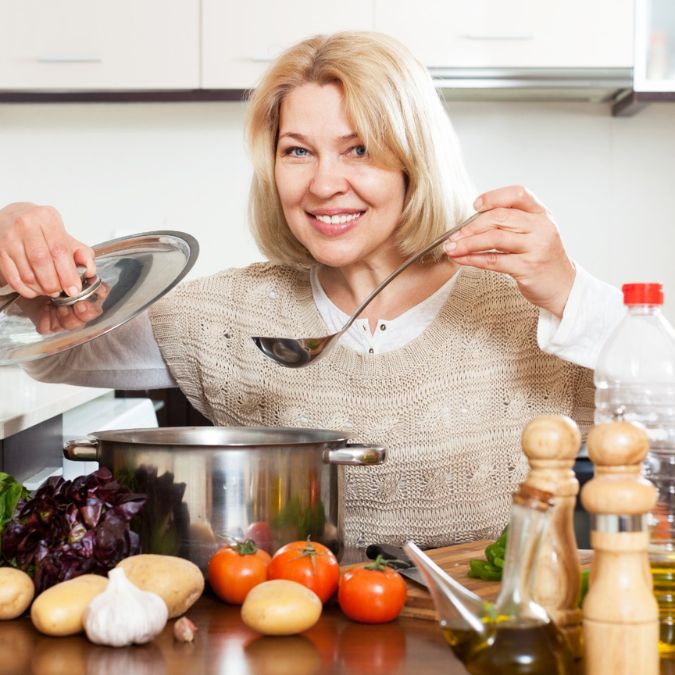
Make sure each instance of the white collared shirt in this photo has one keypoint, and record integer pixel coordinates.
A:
(389, 334)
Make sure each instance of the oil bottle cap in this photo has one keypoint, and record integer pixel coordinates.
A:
(642, 294)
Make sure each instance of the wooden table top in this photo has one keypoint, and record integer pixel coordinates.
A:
(225, 645)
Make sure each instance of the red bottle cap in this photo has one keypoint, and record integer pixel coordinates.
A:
(642, 294)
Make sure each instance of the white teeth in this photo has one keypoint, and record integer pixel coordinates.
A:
(338, 220)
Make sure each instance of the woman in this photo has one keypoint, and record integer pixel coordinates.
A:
(355, 167)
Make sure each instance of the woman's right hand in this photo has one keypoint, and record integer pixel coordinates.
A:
(37, 255)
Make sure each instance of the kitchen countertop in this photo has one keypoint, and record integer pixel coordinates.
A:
(24, 402)
(225, 645)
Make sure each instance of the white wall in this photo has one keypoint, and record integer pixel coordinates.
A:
(114, 169)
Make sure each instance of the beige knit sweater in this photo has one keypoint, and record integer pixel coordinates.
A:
(449, 406)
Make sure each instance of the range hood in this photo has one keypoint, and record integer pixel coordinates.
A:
(596, 85)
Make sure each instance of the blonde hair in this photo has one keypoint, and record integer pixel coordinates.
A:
(391, 101)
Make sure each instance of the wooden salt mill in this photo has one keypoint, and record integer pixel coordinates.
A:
(551, 443)
(620, 614)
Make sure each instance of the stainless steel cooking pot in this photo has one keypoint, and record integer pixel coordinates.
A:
(207, 485)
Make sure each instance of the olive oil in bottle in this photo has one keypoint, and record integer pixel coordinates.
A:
(663, 576)
(462, 640)
(521, 639)
(536, 649)
(517, 650)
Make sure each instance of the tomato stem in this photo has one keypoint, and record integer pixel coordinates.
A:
(380, 564)
(310, 551)
(246, 547)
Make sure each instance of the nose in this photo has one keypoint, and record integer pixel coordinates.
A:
(329, 178)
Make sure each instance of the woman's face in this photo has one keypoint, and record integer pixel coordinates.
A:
(341, 206)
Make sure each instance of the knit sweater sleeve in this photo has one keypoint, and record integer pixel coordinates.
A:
(175, 330)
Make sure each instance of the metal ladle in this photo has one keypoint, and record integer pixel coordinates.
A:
(300, 352)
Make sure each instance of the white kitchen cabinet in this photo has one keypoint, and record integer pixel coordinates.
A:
(94, 45)
(513, 33)
(240, 39)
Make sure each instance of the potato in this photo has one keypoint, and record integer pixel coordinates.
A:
(16, 592)
(60, 609)
(177, 581)
(281, 607)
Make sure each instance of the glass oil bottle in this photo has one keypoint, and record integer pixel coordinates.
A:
(515, 636)
(522, 640)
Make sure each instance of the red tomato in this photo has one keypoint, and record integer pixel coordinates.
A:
(372, 594)
(310, 564)
(234, 570)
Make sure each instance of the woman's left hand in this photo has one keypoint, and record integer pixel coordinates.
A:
(516, 235)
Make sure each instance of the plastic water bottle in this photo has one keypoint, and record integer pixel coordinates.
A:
(635, 378)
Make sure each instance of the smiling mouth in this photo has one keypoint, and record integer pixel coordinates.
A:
(340, 219)
(333, 225)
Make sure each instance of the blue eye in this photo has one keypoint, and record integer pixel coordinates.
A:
(296, 151)
(360, 150)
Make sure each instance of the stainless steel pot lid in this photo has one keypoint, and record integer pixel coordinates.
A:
(132, 273)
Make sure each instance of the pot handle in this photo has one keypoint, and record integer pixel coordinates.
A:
(355, 453)
(82, 450)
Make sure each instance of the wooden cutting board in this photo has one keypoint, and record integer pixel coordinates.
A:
(455, 560)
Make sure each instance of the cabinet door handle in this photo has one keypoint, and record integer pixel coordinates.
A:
(516, 37)
(56, 58)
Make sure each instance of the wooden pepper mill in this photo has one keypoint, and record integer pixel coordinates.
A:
(551, 443)
(620, 614)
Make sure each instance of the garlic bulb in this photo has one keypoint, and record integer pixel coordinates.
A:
(123, 614)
